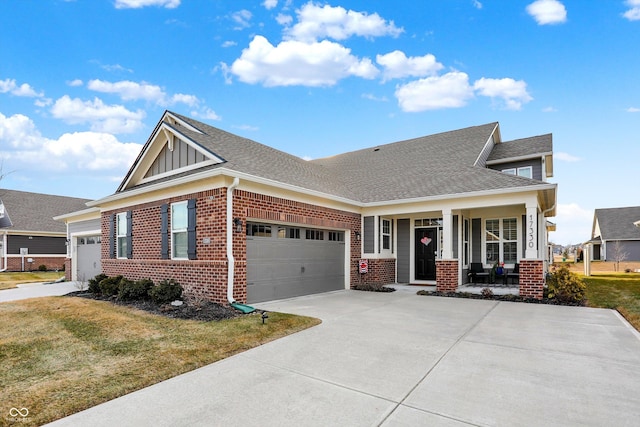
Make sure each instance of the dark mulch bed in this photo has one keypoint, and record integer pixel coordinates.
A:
(190, 309)
(373, 288)
(512, 298)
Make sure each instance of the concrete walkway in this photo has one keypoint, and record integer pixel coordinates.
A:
(33, 290)
(399, 359)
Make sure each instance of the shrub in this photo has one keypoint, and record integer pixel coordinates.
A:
(138, 290)
(565, 286)
(165, 292)
(487, 293)
(94, 284)
(42, 267)
(110, 285)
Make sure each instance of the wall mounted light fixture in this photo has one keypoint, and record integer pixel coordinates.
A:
(238, 223)
(357, 233)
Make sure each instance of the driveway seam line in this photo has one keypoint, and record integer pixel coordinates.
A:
(467, 332)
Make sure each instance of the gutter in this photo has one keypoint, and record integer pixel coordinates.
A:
(4, 249)
(230, 259)
(231, 265)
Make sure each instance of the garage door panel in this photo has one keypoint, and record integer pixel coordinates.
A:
(283, 267)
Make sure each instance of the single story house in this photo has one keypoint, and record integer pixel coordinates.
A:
(234, 220)
(615, 234)
(29, 237)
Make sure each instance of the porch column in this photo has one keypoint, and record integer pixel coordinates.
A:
(531, 284)
(531, 233)
(447, 234)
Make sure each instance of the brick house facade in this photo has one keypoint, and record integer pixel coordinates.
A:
(281, 220)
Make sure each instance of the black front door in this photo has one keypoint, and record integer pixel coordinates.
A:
(426, 249)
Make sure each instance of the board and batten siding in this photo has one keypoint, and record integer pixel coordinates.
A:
(404, 251)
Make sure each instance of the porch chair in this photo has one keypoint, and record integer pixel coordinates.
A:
(476, 272)
(514, 274)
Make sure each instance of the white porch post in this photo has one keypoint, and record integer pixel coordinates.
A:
(447, 231)
(531, 232)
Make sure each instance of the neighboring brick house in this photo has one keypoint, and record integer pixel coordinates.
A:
(615, 234)
(232, 219)
(29, 237)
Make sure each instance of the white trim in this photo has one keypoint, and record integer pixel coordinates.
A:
(172, 232)
(119, 236)
(519, 158)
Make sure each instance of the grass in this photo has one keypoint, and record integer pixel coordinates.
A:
(60, 355)
(619, 291)
(9, 280)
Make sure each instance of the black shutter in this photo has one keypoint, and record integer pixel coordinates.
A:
(164, 231)
(368, 233)
(191, 229)
(112, 236)
(129, 234)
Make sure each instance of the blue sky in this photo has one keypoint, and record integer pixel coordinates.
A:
(83, 83)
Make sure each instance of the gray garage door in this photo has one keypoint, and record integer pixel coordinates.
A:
(88, 257)
(284, 262)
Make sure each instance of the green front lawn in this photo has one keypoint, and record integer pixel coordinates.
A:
(617, 291)
(60, 355)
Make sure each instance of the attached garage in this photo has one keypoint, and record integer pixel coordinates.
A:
(288, 261)
(88, 257)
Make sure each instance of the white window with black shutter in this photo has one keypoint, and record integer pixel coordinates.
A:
(178, 230)
(123, 235)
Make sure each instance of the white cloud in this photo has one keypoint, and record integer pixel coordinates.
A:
(513, 93)
(133, 91)
(372, 97)
(566, 157)
(137, 4)
(318, 22)
(573, 224)
(633, 14)
(128, 90)
(229, 43)
(450, 90)
(283, 19)
(75, 83)
(25, 90)
(79, 151)
(549, 110)
(633, 110)
(247, 128)
(242, 18)
(270, 4)
(101, 117)
(206, 113)
(477, 4)
(547, 12)
(298, 63)
(397, 65)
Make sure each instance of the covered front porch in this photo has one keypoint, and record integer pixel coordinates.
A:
(440, 247)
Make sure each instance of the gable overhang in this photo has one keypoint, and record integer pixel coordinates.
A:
(494, 138)
(165, 133)
(82, 215)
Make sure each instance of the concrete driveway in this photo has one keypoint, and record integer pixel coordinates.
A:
(400, 359)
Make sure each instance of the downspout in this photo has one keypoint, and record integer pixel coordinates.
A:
(230, 259)
(4, 250)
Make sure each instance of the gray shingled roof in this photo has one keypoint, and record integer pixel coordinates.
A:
(617, 223)
(522, 148)
(34, 212)
(434, 165)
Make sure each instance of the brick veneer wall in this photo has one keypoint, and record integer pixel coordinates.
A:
(207, 276)
(67, 269)
(379, 272)
(531, 278)
(446, 275)
(14, 263)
